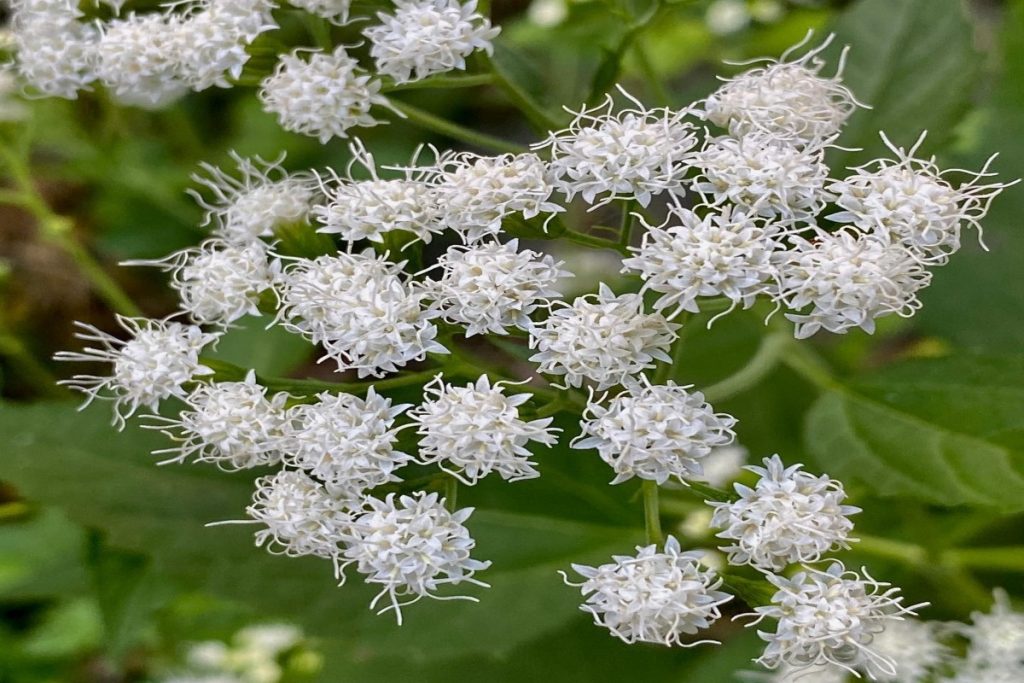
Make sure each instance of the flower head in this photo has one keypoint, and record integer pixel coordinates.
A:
(56, 55)
(654, 597)
(913, 646)
(155, 363)
(789, 516)
(214, 38)
(996, 637)
(601, 337)
(474, 430)
(137, 58)
(334, 11)
(655, 432)
(411, 546)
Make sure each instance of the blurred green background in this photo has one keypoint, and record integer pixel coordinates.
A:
(107, 572)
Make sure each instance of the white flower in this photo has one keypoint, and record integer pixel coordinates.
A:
(629, 154)
(334, 11)
(654, 597)
(154, 364)
(300, 516)
(56, 54)
(817, 673)
(601, 337)
(360, 310)
(412, 547)
(789, 100)
(218, 282)
(322, 96)
(231, 424)
(474, 430)
(725, 253)
(345, 441)
(828, 617)
(252, 206)
(789, 516)
(489, 287)
(996, 637)
(654, 432)
(214, 38)
(910, 201)
(138, 59)
(769, 177)
(848, 280)
(369, 209)
(722, 465)
(475, 193)
(425, 37)
(913, 646)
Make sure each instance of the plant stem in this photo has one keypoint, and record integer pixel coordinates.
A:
(442, 83)
(425, 119)
(652, 516)
(451, 493)
(626, 227)
(1006, 558)
(806, 363)
(768, 355)
(901, 551)
(540, 119)
(595, 242)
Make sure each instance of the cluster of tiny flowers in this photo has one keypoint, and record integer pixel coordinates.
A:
(262, 653)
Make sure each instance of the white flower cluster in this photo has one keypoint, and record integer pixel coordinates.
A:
(262, 653)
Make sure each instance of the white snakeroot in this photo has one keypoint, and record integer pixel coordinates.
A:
(822, 673)
(634, 153)
(726, 253)
(768, 177)
(909, 200)
(490, 287)
(425, 37)
(334, 11)
(55, 53)
(723, 465)
(137, 59)
(789, 516)
(474, 430)
(369, 209)
(358, 307)
(345, 441)
(322, 96)
(655, 432)
(214, 39)
(601, 337)
(476, 192)
(996, 637)
(789, 100)
(848, 280)
(230, 424)
(653, 597)
(300, 516)
(246, 208)
(158, 359)
(828, 617)
(412, 547)
(217, 282)
(913, 646)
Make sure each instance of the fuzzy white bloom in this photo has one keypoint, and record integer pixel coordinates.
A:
(246, 208)
(334, 11)
(425, 37)
(655, 432)
(635, 153)
(477, 192)
(137, 59)
(601, 337)
(56, 54)
(789, 100)
(909, 200)
(155, 363)
(723, 465)
(230, 424)
(268, 639)
(489, 287)
(828, 617)
(322, 96)
(976, 673)
(726, 253)
(996, 637)
(360, 310)
(345, 441)
(654, 597)
(768, 177)
(217, 282)
(848, 280)
(474, 430)
(214, 39)
(300, 516)
(412, 547)
(818, 673)
(913, 646)
(369, 209)
(789, 516)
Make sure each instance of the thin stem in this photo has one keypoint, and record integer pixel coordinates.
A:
(626, 227)
(534, 112)
(765, 359)
(901, 551)
(591, 241)
(451, 493)
(425, 119)
(652, 517)
(1006, 558)
(442, 83)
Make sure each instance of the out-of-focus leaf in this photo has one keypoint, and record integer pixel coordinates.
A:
(41, 557)
(947, 431)
(69, 628)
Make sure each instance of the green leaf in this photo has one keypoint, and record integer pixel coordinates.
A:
(41, 556)
(269, 351)
(947, 431)
(913, 62)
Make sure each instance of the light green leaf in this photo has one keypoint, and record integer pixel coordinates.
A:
(947, 431)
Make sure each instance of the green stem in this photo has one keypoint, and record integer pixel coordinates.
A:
(765, 359)
(442, 83)
(652, 516)
(534, 112)
(451, 493)
(592, 241)
(425, 119)
(1006, 558)
(901, 551)
(626, 227)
